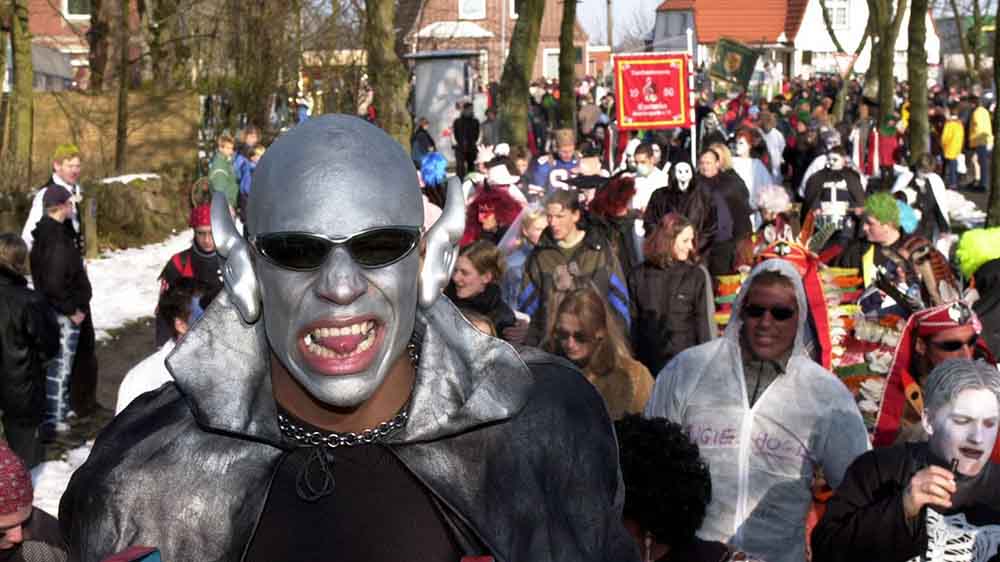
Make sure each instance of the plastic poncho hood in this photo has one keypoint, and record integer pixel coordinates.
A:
(762, 459)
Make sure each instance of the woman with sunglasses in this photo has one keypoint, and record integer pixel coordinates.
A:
(585, 333)
(475, 284)
(672, 294)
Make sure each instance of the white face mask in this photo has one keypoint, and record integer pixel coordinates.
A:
(965, 429)
(683, 173)
(742, 147)
(835, 161)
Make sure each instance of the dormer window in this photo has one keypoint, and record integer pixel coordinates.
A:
(76, 9)
(471, 9)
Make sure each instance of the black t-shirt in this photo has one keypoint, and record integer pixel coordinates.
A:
(378, 510)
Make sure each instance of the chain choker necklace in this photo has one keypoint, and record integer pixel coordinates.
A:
(310, 436)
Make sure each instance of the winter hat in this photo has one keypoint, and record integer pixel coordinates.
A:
(976, 248)
(55, 195)
(433, 169)
(16, 492)
(883, 208)
(201, 216)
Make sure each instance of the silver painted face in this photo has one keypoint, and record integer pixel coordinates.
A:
(683, 173)
(339, 329)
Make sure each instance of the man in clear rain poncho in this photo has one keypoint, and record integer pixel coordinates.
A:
(765, 416)
(330, 406)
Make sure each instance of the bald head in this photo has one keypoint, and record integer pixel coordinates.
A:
(334, 175)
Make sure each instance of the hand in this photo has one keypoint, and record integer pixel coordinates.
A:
(933, 485)
(516, 333)
(78, 318)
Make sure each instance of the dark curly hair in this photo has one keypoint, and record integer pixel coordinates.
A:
(667, 485)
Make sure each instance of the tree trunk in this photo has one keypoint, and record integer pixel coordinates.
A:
(993, 205)
(970, 69)
(840, 104)
(885, 28)
(976, 38)
(517, 70)
(4, 25)
(22, 94)
(916, 75)
(98, 39)
(390, 80)
(567, 67)
(121, 132)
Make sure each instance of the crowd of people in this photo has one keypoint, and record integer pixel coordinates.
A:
(496, 352)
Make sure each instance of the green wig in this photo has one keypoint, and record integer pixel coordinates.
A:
(977, 247)
(65, 152)
(883, 208)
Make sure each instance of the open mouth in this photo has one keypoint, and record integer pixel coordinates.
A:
(341, 347)
(970, 453)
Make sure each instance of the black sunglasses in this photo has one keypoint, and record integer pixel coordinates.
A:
(305, 251)
(955, 345)
(580, 337)
(779, 313)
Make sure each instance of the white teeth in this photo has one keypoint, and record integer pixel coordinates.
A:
(367, 328)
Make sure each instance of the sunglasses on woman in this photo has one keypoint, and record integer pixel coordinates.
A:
(305, 251)
(580, 337)
(779, 313)
(955, 345)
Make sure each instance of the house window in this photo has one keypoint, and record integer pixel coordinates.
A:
(838, 11)
(471, 9)
(513, 8)
(76, 8)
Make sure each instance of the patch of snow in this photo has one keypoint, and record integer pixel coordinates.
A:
(51, 478)
(124, 282)
(129, 178)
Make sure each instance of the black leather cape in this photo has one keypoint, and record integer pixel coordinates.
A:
(517, 449)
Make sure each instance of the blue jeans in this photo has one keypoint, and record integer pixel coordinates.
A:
(58, 376)
(951, 173)
(983, 156)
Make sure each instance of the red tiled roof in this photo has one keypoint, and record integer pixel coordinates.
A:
(749, 22)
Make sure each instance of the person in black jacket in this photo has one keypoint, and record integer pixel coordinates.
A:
(475, 284)
(912, 500)
(29, 337)
(732, 205)
(684, 197)
(58, 272)
(671, 295)
(466, 133)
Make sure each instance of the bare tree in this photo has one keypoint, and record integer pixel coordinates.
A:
(567, 66)
(993, 205)
(513, 107)
(884, 25)
(841, 101)
(22, 95)
(916, 74)
(390, 80)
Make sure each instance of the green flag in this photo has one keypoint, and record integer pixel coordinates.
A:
(733, 62)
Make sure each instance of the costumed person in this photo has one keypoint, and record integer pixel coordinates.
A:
(648, 176)
(683, 196)
(827, 139)
(834, 197)
(329, 381)
(29, 338)
(29, 534)
(491, 212)
(909, 263)
(571, 254)
(864, 140)
(935, 500)
(667, 488)
(672, 295)
(201, 262)
(586, 333)
(777, 225)
(978, 256)
(550, 171)
(179, 307)
(767, 417)
(752, 171)
(475, 284)
(611, 213)
(923, 193)
(931, 336)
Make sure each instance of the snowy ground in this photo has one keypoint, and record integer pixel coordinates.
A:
(125, 289)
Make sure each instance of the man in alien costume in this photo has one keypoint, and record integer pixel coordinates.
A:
(330, 405)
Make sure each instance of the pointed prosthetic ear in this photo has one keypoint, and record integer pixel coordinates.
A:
(441, 251)
(238, 274)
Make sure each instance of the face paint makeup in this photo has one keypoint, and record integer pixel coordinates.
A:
(965, 430)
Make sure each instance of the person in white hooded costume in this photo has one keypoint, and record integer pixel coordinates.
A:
(763, 447)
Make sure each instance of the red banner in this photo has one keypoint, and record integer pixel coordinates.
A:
(652, 91)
